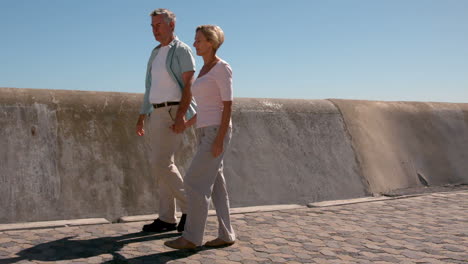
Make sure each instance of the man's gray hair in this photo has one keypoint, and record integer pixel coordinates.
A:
(168, 15)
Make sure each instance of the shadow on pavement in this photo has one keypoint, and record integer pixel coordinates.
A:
(69, 249)
(162, 257)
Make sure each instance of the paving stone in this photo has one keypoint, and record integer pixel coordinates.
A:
(277, 259)
(235, 257)
(411, 254)
(387, 258)
(327, 252)
(454, 248)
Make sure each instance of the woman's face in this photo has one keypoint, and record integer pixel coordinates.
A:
(201, 44)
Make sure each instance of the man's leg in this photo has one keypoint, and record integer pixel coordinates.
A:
(164, 143)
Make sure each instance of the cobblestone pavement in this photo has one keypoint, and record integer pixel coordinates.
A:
(432, 228)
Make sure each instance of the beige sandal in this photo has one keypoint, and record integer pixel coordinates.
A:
(180, 243)
(218, 242)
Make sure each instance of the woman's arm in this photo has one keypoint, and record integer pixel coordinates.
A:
(186, 124)
(191, 121)
(217, 147)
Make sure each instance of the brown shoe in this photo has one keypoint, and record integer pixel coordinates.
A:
(180, 243)
(218, 242)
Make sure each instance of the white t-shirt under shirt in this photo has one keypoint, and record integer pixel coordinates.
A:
(163, 86)
(209, 91)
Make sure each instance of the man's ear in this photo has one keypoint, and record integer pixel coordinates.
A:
(172, 25)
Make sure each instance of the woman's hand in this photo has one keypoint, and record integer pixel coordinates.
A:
(191, 121)
(186, 124)
(217, 147)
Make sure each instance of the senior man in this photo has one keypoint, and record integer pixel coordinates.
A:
(167, 97)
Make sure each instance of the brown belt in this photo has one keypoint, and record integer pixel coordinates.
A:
(165, 104)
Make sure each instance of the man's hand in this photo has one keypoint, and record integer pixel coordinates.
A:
(140, 124)
(187, 124)
(217, 148)
(179, 125)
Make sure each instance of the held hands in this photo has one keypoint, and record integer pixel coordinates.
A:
(217, 147)
(179, 125)
(191, 121)
(185, 124)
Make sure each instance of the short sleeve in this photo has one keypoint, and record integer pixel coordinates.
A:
(186, 60)
(224, 81)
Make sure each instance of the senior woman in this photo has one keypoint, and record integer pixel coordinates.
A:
(204, 180)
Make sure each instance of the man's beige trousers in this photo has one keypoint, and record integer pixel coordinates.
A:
(164, 143)
(205, 181)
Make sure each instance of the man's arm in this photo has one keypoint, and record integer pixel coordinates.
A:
(179, 123)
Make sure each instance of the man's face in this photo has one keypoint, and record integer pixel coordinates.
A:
(162, 31)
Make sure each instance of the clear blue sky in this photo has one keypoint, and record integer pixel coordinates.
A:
(413, 50)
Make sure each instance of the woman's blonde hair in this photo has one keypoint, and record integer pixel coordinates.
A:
(214, 34)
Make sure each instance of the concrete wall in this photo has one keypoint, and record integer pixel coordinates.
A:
(73, 154)
(397, 141)
(70, 154)
(290, 151)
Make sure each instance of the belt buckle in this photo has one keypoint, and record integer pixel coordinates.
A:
(164, 104)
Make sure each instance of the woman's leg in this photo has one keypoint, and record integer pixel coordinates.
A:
(199, 182)
(221, 203)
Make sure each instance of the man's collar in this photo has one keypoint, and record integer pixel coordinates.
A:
(172, 43)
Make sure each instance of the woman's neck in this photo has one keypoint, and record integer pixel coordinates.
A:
(208, 59)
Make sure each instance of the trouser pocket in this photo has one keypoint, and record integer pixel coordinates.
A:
(172, 113)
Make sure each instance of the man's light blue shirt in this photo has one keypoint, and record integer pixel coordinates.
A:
(179, 60)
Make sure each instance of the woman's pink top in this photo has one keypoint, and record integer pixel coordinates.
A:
(209, 91)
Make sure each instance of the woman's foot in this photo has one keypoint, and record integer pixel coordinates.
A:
(180, 243)
(218, 242)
